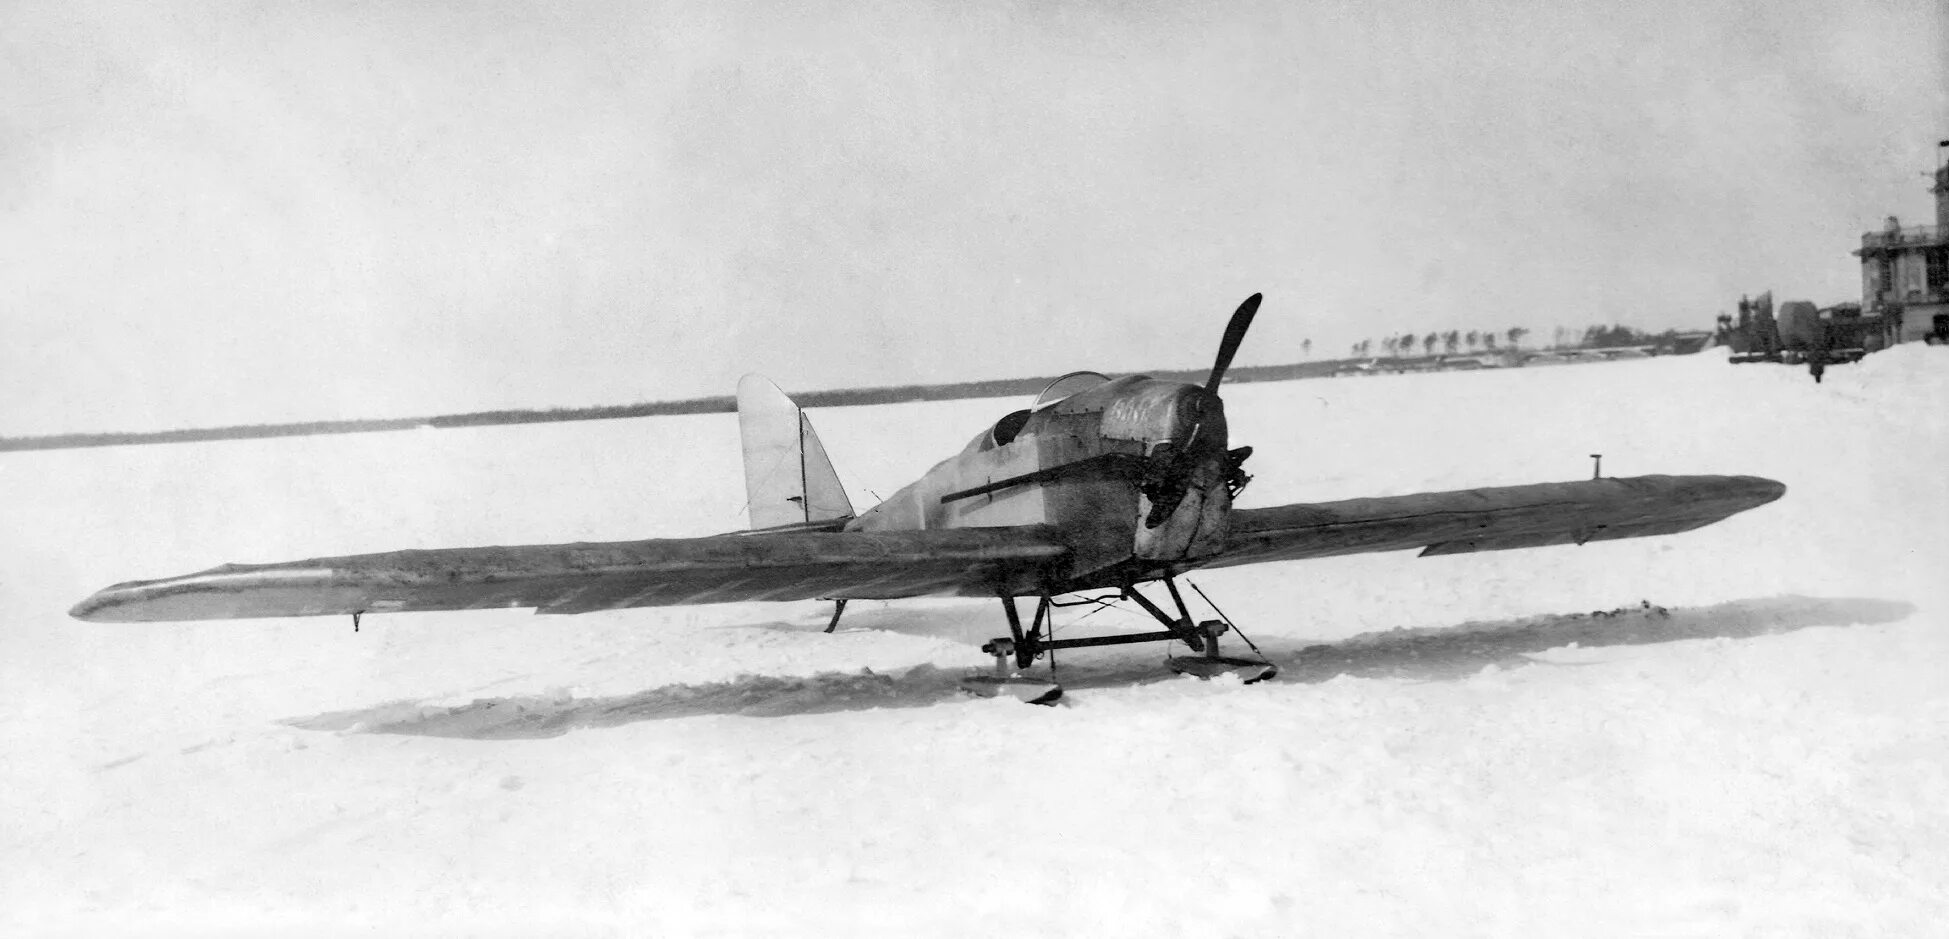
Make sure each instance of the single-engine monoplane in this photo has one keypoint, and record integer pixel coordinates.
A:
(1101, 484)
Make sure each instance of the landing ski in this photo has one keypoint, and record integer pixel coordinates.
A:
(1031, 690)
(1212, 666)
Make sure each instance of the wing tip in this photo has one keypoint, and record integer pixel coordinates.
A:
(233, 591)
(90, 610)
(103, 605)
(1751, 492)
(121, 603)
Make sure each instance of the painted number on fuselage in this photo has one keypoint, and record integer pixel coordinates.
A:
(1132, 416)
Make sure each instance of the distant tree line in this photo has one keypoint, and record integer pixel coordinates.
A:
(1454, 342)
(840, 397)
(1451, 342)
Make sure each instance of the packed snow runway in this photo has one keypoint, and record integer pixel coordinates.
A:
(1739, 730)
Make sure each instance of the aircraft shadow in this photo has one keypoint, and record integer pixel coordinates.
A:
(1435, 654)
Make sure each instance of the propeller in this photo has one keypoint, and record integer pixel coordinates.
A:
(1167, 479)
(1234, 335)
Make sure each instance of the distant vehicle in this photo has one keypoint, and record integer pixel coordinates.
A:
(1839, 333)
(1099, 485)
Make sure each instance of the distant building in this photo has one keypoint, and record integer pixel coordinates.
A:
(1905, 271)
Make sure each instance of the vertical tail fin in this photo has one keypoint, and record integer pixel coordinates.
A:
(788, 478)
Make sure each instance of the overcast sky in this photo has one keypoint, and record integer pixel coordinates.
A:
(233, 212)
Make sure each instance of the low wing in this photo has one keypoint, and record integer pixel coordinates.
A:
(579, 578)
(1492, 519)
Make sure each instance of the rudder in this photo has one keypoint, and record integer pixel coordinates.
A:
(788, 479)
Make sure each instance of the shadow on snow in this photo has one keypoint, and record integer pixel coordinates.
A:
(1402, 654)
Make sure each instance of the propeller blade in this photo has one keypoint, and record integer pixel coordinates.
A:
(1234, 334)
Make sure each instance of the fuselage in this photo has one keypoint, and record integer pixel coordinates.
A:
(1135, 472)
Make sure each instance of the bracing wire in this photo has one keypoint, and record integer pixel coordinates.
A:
(1214, 608)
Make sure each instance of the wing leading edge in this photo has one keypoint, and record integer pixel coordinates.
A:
(580, 578)
(1493, 519)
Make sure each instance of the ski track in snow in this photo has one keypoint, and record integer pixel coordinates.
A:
(1738, 730)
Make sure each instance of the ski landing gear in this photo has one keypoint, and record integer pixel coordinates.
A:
(1210, 664)
(1020, 649)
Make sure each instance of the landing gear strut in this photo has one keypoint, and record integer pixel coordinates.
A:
(1025, 648)
(1021, 648)
(1212, 663)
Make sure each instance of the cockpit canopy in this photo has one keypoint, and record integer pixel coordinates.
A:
(1065, 386)
(1012, 423)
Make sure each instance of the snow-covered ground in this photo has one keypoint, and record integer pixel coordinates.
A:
(1457, 745)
